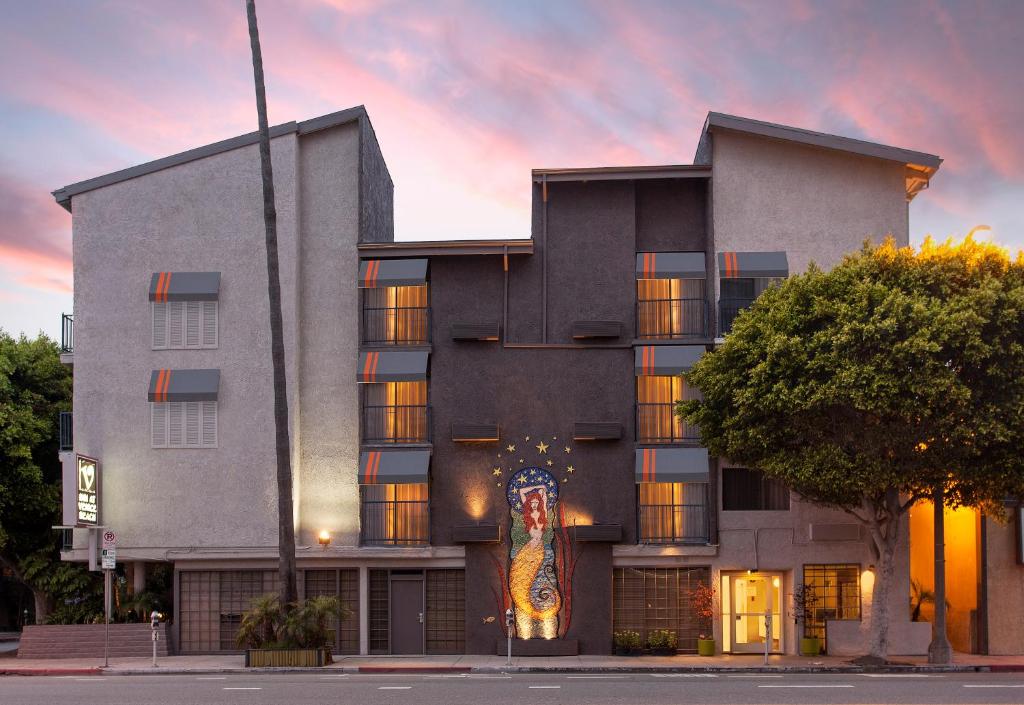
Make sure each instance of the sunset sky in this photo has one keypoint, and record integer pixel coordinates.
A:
(467, 97)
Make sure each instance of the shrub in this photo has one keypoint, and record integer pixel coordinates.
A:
(662, 639)
(306, 624)
(627, 639)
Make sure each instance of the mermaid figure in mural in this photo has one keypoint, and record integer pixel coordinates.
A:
(532, 494)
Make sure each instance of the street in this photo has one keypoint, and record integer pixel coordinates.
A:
(499, 689)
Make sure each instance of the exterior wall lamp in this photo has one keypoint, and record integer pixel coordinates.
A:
(324, 539)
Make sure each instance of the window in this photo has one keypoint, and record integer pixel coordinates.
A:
(751, 490)
(671, 308)
(343, 583)
(836, 587)
(396, 315)
(656, 420)
(395, 412)
(395, 515)
(645, 599)
(211, 605)
(738, 294)
(673, 512)
(179, 325)
(183, 424)
(446, 611)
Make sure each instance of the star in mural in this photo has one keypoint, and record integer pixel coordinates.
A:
(570, 469)
(511, 448)
(496, 472)
(542, 447)
(568, 449)
(550, 463)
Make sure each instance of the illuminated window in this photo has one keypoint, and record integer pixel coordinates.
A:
(670, 308)
(673, 512)
(656, 420)
(395, 412)
(395, 515)
(836, 589)
(396, 315)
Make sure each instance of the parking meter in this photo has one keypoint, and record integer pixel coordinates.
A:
(154, 624)
(510, 619)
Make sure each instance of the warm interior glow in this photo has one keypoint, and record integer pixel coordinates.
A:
(867, 584)
(477, 505)
(324, 538)
(775, 582)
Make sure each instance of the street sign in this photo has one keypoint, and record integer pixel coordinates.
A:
(88, 504)
(108, 555)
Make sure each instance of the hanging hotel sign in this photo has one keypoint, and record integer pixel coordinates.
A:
(88, 491)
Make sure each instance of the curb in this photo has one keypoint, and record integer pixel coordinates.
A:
(50, 671)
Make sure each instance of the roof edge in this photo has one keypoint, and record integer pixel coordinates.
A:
(64, 194)
(423, 248)
(626, 173)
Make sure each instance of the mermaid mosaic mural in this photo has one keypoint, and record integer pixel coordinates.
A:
(532, 494)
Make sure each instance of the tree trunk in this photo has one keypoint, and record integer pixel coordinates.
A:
(940, 650)
(885, 533)
(286, 526)
(42, 605)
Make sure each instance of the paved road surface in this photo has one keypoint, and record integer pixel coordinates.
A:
(531, 689)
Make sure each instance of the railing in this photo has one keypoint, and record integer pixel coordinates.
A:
(396, 325)
(658, 423)
(396, 424)
(67, 439)
(672, 318)
(67, 333)
(728, 309)
(395, 523)
(674, 523)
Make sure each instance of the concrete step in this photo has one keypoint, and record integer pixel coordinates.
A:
(86, 641)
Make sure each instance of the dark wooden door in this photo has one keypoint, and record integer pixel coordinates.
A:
(406, 615)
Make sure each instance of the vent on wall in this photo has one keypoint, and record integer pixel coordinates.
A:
(478, 533)
(475, 432)
(596, 329)
(489, 332)
(597, 431)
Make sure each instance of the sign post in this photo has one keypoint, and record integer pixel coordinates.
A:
(108, 564)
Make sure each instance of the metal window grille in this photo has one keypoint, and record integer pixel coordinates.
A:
(671, 308)
(67, 333)
(837, 589)
(212, 603)
(395, 315)
(67, 428)
(380, 612)
(344, 583)
(645, 599)
(395, 515)
(446, 611)
(673, 512)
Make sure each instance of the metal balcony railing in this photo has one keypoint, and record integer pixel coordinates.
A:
(672, 318)
(674, 523)
(396, 325)
(658, 423)
(728, 309)
(67, 438)
(67, 333)
(395, 523)
(396, 424)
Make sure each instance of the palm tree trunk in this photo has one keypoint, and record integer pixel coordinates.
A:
(286, 527)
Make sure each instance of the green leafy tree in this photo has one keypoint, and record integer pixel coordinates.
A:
(34, 388)
(870, 387)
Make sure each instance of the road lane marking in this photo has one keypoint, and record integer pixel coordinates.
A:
(753, 675)
(90, 679)
(685, 675)
(900, 675)
(592, 677)
(211, 678)
(544, 687)
(394, 687)
(240, 688)
(843, 685)
(995, 685)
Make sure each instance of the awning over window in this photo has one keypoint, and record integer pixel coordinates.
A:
(671, 464)
(752, 265)
(184, 385)
(393, 467)
(666, 359)
(393, 366)
(670, 265)
(184, 286)
(392, 272)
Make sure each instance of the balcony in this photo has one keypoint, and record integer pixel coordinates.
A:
(67, 440)
(394, 522)
(728, 309)
(658, 423)
(396, 325)
(395, 423)
(685, 522)
(671, 319)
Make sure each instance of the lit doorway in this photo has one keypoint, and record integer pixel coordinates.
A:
(746, 599)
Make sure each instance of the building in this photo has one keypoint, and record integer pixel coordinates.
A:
(476, 425)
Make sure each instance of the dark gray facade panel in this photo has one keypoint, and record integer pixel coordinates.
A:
(184, 286)
(392, 272)
(184, 385)
(768, 265)
(671, 465)
(670, 265)
(666, 359)
(376, 190)
(393, 366)
(394, 467)
(671, 215)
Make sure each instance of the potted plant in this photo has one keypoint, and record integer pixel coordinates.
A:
(804, 602)
(297, 636)
(627, 643)
(702, 598)
(662, 642)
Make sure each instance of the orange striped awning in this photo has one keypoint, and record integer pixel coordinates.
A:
(183, 385)
(753, 265)
(184, 286)
(392, 272)
(393, 467)
(672, 465)
(392, 366)
(666, 359)
(670, 265)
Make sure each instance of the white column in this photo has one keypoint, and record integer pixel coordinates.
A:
(364, 610)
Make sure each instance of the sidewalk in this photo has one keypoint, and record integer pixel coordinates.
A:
(232, 664)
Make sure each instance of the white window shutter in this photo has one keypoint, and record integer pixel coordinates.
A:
(158, 424)
(193, 311)
(191, 424)
(209, 324)
(209, 424)
(175, 324)
(175, 422)
(159, 326)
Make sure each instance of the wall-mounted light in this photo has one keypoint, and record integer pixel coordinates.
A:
(775, 582)
(324, 539)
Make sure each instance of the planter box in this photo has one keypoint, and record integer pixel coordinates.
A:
(663, 651)
(295, 658)
(810, 646)
(706, 647)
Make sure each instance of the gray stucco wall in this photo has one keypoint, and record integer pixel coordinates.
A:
(377, 192)
(1005, 588)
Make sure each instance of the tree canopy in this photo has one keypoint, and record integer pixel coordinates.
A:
(865, 387)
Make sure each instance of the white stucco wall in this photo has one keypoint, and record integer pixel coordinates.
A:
(207, 215)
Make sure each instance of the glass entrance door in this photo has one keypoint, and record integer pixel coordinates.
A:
(754, 595)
